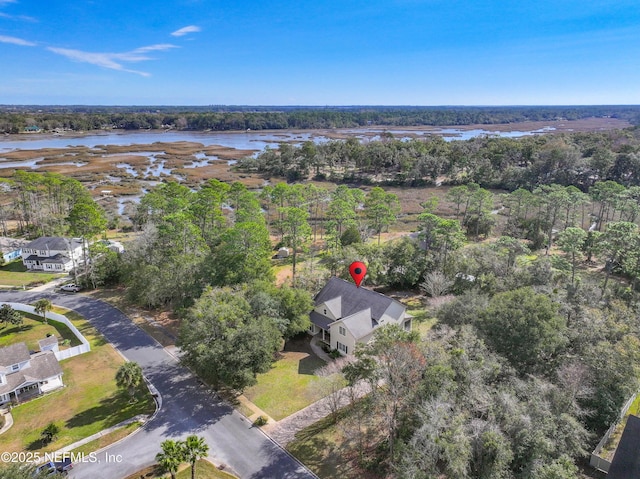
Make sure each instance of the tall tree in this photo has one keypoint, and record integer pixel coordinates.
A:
(223, 341)
(194, 448)
(571, 241)
(8, 315)
(617, 241)
(43, 306)
(296, 232)
(129, 377)
(86, 220)
(171, 457)
(524, 327)
(381, 209)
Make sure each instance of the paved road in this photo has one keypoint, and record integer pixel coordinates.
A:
(187, 408)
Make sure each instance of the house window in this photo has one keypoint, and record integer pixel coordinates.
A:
(342, 347)
(325, 312)
(342, 331)
(15, 367)
(407, 325)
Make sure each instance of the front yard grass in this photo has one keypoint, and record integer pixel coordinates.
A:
(15, 274)
(89, 402)
(289, 385)
(34, 329)
(204, 470)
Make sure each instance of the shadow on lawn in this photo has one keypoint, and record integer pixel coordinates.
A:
(16, 329)
(301, 344)
(110, 411)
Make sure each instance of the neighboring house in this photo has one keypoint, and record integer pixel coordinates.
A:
(115, 246)
(52, 253)
(11, 248)
(345, 315)
(626, 461)
(24, 375)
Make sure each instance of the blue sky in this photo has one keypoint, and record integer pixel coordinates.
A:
(282, 52)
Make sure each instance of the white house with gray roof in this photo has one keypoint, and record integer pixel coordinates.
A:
(345, 315)
(52, 253)
(24, 375)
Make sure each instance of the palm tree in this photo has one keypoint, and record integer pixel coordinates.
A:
(49, 433)
(43, 306)
(194, 448)
(171, 457)
(129, 377)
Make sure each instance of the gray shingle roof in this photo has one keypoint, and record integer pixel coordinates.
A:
(13, 354)
(49, 242)
(57, 258)
(320, 320)
(626, 462)
(354, 299)
(43, 366)
(360, 324)
(47, 341)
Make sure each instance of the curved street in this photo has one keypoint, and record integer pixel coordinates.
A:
(187, 407)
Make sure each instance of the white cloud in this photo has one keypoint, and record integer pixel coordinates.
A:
(24, 18)
(185, 30)
(113, 61)
(16, 41)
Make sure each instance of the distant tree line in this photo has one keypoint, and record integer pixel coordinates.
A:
(578, 159)
(14, 119)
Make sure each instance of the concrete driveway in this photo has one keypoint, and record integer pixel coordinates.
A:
(187, 407)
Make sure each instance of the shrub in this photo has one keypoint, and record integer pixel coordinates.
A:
(260, 421)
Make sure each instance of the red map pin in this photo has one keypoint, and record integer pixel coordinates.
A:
(357, 270)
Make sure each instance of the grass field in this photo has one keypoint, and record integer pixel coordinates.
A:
(89, 402)
(288, 386)
(204, 470)
(33, 329)
(14, 274)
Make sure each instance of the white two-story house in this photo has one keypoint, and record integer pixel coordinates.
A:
(52, 253)
(24, 375)
(345, 315)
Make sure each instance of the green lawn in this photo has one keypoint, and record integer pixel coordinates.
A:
(89, 402)
(14, 274)
(288, 386)
(33, 329)
(204, 470)
(107, 439)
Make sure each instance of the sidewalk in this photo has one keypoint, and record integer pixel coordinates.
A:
(284, 431)
(142, 418)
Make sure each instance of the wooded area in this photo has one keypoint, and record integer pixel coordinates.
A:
(14, 119)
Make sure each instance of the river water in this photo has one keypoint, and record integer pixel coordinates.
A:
(250, 140)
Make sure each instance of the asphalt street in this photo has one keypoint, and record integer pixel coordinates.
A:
(187, 407)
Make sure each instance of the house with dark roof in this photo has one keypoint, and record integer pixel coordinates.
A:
(24, 375)
(52, 253)
(345, 315)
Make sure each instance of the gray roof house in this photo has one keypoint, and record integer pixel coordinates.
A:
(24, 375)
(52, 253)
(345, 315)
